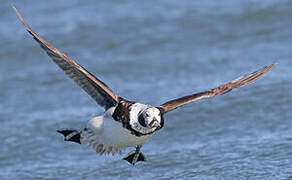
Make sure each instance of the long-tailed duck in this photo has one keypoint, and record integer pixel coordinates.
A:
(124, 123)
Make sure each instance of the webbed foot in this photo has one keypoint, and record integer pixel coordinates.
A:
(135, 156)
(131, 155)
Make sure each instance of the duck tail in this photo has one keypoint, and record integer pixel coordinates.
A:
(71, 135)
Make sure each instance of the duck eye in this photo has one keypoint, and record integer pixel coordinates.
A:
(147, 114)
(142, 120)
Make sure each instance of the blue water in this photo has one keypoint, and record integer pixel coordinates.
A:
(149, 51)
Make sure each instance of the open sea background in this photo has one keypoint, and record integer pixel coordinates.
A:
(149, 51)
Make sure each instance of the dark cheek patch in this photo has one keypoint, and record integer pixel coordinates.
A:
(142, 120)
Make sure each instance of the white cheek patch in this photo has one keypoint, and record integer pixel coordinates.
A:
(135, 110)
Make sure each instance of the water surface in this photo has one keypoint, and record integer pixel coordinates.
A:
(149, 51)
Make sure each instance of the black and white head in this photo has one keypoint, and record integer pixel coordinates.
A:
(146, 119)
(150, 118)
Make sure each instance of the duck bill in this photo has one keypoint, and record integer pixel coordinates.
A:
(154, 123)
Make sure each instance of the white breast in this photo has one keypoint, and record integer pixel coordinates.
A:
(105, 135)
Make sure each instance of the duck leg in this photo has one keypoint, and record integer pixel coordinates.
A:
(135, 156)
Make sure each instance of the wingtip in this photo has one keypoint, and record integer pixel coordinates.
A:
(267, 69)
(272, 66)
(275, 64)
(20, 17)
(16, 11)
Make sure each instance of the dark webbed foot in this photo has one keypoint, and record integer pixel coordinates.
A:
(131, 155)
(70, 135)
(135, 156)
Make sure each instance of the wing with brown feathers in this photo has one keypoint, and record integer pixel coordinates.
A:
(99, 91)
(225, 88)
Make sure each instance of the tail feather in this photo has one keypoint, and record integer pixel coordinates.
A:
(71, 135)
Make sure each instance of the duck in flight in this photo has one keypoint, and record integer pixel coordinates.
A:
(124, 123)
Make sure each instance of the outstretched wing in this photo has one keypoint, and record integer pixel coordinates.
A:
(225, 88)
(99, 91)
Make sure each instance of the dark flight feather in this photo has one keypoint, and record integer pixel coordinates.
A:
(225, 88)
(98, 90)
